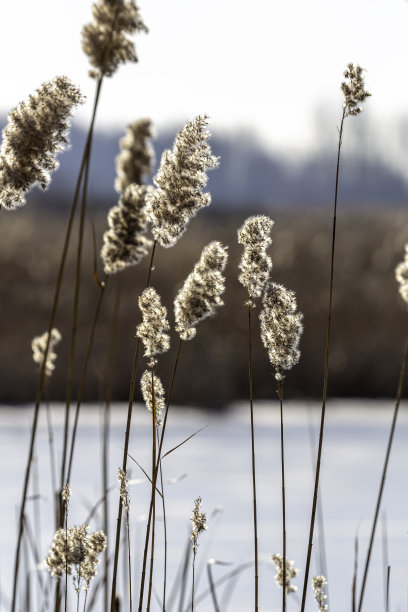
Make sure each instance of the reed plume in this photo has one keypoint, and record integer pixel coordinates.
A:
(136, 158)
(106, 40)
(318, 584)
(35, 133)
(198, 525)
(125, 243)
(200, 294)
(76, 552)
(281, 328)
(179, 182)
(286, 572)
(39, 345)
(152, 330)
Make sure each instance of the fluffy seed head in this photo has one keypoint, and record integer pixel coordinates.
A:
(39, 345)
(200, 294)
(76, 547)
(291, 572)
(318, 584)
(198, 523)
(36, 131)
(125, 244)
(153, 394)
(401, 275)
(179, 181)
(255, 264)
(353, 89)
(136, 157)
(154, 324)
(281, 328)
(106, 41)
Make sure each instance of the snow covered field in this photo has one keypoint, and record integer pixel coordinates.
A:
(216, 465)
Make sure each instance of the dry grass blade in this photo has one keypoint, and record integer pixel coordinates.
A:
(184, 441)
(144, 472)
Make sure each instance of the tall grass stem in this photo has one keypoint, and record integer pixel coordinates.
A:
(326, 372)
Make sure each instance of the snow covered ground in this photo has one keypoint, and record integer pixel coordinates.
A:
(216, 465)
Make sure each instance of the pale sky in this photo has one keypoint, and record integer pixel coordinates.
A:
(269, 67)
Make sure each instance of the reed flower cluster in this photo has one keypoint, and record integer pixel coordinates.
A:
(179, 182)
(152, 330)
(255, 264)
(291, 572)
(36, 131)
(39, 344)
(106, 40)
(125, 243)
(123, 483)
(354, 89)
(198, 523)
(136, 157)
(318, 584)
(401, 275)
(75, 549)
(281, 328)
(153, 394)
(200, 294)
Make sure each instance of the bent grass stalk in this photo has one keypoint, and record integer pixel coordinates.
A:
(41, 383)
(126, 446)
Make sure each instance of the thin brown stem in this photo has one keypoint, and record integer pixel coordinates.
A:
(326, 372)
(192, 589)
(42, 377)
(106, 426)
(153, 496)
(165, 535)
(83, 377)
(251, 405)
(147, 537)
(280, 393)
(384, 474)
(126, 449)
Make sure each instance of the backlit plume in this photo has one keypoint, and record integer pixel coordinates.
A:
(39, 345)
(152, 330)
(153, 394)
(36, 131)
(401, 275)
(281, 328)
(179, 182)
(202, 290)
(255, 264)
(106, 41)
(136, 157)
(290, 573)
(353, 89)
(125, 243)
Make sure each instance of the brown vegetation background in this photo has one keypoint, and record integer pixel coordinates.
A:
(370, 320)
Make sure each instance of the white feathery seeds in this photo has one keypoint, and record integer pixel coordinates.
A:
(255, 264)
(281, 328)
(153, 394)
(401, 275)
(35, 133)
(125, 244)
(179, 182)
(152, 330)
(39, 344)
(200, 294)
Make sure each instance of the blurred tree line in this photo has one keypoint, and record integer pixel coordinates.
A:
(369, 321)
